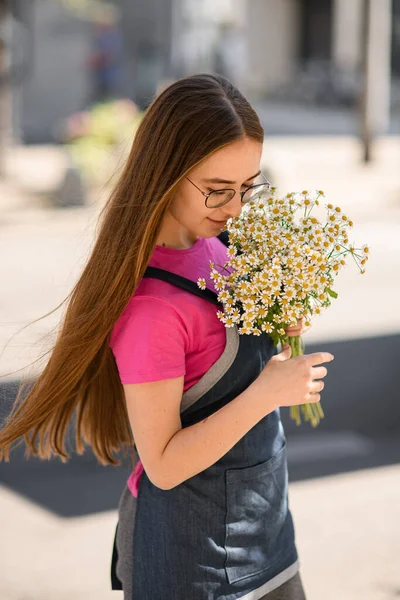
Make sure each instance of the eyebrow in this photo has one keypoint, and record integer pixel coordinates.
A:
(218, 180)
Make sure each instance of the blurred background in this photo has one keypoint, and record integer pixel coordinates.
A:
(324, 77)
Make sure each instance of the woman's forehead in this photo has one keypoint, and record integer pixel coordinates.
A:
(239, 160)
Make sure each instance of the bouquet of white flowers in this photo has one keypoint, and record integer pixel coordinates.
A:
(281, 267)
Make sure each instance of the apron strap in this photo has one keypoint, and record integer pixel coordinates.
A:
(224, 238)
(183, 282)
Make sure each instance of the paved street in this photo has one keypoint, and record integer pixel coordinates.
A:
(347, 530)
(57, 521)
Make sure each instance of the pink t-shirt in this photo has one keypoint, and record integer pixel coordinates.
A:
(166, 332)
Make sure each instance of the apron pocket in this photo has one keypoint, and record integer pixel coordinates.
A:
(256, 513)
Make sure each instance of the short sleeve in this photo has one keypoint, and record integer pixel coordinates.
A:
(149, 341)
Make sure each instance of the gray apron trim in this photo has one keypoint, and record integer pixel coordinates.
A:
(263, 591)
(124, 541)
(216, 371)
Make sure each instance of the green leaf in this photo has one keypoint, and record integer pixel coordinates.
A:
(332, 293)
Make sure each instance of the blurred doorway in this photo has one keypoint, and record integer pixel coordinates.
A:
(316, 30)
(396, 39)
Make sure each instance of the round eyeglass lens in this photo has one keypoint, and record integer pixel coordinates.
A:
(219, 198)
(255, 192)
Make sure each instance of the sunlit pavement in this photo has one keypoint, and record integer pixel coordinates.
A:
(347, 524)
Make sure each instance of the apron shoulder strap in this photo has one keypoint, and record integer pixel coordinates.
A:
(183, 282)
(224, 238)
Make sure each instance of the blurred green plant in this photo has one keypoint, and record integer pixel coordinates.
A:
(97, 139)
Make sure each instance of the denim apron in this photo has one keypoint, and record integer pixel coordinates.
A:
(226, 532)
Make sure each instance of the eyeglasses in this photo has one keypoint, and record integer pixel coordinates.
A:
(218, 198)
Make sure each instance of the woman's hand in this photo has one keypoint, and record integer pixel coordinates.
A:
(298, 329)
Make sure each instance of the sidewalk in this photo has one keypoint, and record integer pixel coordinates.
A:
(347, 525)
(347, 529)
(366, 192)
(282, 117)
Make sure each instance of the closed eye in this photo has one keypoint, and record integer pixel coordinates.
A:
(217, 192)
(246, 185)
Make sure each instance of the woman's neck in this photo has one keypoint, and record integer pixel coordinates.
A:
(174, 235)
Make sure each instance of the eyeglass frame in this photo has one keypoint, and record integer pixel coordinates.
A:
(231, 190)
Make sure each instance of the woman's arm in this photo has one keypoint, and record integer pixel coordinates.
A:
(170, 454)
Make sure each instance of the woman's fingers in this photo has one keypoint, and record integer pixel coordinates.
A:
(293, 331)
(316, 387)
(319, 372)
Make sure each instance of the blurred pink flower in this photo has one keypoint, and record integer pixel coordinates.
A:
(77, 125)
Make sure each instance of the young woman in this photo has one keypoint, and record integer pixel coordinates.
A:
(142, 356)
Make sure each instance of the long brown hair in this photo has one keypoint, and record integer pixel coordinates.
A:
(188, 121)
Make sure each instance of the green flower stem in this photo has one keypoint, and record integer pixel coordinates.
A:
(312, 412)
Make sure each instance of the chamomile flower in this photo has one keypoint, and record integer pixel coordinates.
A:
(246, 329)
(255, 331)
(248, 305)
(235, 314)
(223, 296)
(228, 320)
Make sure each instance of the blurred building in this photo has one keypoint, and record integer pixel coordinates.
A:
(289, 47)
(300, 49)
(53, 81)
(295, 43)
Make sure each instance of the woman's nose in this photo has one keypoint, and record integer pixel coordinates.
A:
(234, 207)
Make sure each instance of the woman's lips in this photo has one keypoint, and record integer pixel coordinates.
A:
(220, 223)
